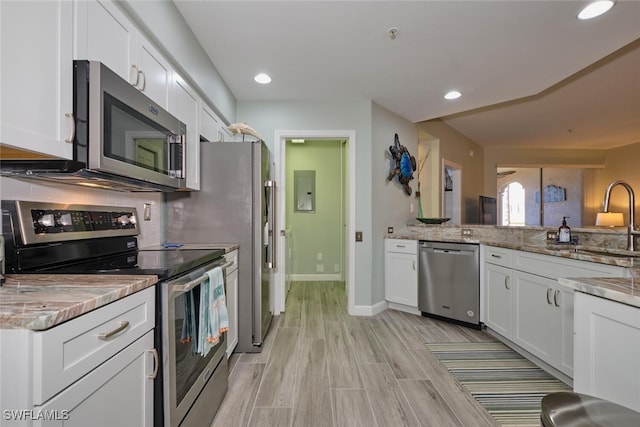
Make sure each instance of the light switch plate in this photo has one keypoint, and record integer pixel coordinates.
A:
(147, 212)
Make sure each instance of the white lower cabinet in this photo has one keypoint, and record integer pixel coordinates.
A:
(540, 325)
(401, 272)
(525, 304)
(117, 393)
(607, 350)
(231, 277)
(94, 370)
(498, 305)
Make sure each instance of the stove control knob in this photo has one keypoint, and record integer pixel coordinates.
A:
(123, 219)
(47, 220)
(65, 219)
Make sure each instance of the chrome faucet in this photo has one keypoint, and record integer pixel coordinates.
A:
(631, 230)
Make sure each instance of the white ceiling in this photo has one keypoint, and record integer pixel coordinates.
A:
(531, 74)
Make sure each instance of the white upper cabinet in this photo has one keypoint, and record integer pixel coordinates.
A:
(185, 104)
(105, 34)
(212, 128)
(36, 76)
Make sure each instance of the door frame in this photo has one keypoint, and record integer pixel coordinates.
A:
(280, 139)
(456, 200)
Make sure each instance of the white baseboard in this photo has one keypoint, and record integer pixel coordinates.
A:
(368, 310)
(405, 308)
(316, 277)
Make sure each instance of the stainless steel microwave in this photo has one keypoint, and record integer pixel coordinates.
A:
(123, 140)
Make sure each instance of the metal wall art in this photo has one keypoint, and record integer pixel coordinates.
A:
(404, 164)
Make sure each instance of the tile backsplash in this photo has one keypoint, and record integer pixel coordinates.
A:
(150, 231)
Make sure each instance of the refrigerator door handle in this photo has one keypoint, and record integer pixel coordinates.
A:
(271, 221)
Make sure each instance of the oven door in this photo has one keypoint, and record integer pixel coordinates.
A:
(186, 372)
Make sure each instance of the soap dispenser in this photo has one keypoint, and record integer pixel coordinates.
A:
(564, 232)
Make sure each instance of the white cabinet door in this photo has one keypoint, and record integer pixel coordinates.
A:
(117, 393)
(212, 128)
(105, 34)
(36, 76)
(232, 308)
(155, 72)
(563, 300)
(401, 272)
(185, 105)
(535, 320)
(498, 301)
(607, 350)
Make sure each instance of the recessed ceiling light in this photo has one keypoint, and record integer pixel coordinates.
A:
(452, 94)
(262, 78)
(595, 8)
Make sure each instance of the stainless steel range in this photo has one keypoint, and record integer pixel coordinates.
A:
(53, 238)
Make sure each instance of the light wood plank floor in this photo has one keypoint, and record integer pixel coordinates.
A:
(321, 367)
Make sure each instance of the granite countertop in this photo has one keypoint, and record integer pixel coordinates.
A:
(41, 301)
(623, 290)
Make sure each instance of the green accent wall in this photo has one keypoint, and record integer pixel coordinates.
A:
(320, 231)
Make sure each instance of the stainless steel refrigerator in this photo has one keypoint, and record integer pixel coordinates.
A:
(234, 205)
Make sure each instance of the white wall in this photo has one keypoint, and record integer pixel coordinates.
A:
(150, 231)
(391, 205)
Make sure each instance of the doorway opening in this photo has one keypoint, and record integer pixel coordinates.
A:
(292, 245)
(451, 191)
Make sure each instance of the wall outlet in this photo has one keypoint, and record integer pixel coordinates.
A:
(319, 256)
(147, 212)
(552, 236)
(358, 236)
(389, 230)
(467, 232)
(319, 268)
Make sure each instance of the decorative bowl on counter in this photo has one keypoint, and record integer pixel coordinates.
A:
(433, 220)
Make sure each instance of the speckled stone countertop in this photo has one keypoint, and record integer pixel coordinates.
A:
(41, 301)
(626, 291)
(604, 246)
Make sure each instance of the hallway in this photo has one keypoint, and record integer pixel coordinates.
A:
(322, 367)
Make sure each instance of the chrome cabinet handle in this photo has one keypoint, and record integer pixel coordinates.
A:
(121, 327)
(144, 80)
(156, 363)
(414, 264)
(134, 67)
(73, 127)
(548, 297)
(555, 298)
(506, 282)
(496, 256)
(401, 246)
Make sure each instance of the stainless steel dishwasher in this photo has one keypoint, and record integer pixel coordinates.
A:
(449, 281)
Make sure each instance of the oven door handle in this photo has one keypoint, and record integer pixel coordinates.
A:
(195, 282)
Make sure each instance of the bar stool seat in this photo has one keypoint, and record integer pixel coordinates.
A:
(567, 409)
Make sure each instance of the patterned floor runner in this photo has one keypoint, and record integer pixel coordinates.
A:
(509, 386)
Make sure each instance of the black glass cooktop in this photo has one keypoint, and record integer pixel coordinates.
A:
(165, 264)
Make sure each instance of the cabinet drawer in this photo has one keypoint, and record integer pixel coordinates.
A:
(67, 352)
(498, 256)
(232, 257)
(401, 246)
